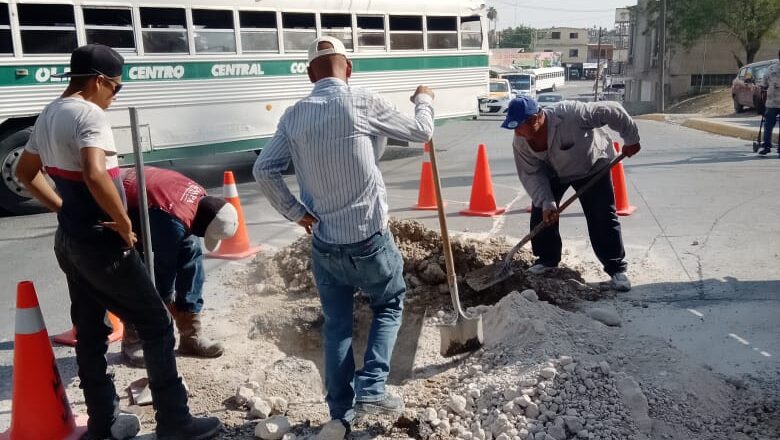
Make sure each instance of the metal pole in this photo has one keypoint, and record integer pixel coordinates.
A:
(703, 62)
(662, 61)
(598, 69)
(143, 203)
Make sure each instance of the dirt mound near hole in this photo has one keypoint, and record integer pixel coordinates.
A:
(288, 271)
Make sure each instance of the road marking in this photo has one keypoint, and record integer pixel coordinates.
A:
(696, 312)
(499, 221)
(745, 342)
(740, 340)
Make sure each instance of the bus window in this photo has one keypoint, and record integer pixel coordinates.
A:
(299, 31)
(406, 32)
(109, 26)
(164, 30)
(338, 26)
(258, 31)
(442, 32)
(214, 31)
(470, 32)
(371, 32)
(6, 46)
(47, 28)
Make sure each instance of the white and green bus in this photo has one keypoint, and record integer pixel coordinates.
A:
(214, 76)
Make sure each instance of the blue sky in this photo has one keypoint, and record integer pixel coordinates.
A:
(548, 13)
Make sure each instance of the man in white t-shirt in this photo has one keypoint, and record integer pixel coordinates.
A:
(73, 142)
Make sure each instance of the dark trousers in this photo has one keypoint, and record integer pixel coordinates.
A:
(102, 276)
(770, 118)
(598, 204)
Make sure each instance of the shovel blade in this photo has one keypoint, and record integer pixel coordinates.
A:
(462, 337)
(488, 276)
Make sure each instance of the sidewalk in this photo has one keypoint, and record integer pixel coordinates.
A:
(741, 127)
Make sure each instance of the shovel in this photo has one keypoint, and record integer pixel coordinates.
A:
(464, 334)
(489, 276)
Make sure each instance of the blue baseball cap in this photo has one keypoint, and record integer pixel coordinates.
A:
(519, 109)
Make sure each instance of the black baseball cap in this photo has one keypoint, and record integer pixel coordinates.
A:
(94, 59)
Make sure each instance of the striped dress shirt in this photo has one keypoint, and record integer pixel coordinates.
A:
(335, 137)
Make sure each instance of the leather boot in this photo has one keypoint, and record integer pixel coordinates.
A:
(191, 340)
(132, 348)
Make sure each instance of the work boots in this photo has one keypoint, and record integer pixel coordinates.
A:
(191, 340)
(132, 347)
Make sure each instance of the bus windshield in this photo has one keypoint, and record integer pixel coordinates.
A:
(519, 82)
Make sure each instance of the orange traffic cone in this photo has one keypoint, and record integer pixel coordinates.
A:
(483, 202)
(236, 247)
(69, 337)
(426, 198)
(619, 185)
(40, 408)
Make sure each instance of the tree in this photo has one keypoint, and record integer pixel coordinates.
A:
(748, 21)
(492, 15)
(520, 36)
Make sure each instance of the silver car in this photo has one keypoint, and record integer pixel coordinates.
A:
(549, 99)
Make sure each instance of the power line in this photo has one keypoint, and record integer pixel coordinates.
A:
(541, 8)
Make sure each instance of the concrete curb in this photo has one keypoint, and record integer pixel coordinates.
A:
(723, 129)
(658, 117)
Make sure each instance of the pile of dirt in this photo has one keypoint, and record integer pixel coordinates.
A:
(715, 103)
(289, 270)
(550, 374)
(544, 373)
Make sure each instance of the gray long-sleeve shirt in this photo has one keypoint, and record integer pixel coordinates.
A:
(577, 146)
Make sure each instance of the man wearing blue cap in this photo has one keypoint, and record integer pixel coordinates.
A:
(564, 146)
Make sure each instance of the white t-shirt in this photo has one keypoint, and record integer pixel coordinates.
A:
(63, 128)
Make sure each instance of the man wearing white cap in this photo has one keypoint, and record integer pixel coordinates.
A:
(180, 211)
(334, 138)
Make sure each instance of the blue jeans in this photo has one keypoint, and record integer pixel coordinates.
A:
(102, 276)
(770, 117)
(178, 262)
(375, 267)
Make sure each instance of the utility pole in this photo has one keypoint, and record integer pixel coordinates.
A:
(662, 60)
(703, 62)
(598, 69)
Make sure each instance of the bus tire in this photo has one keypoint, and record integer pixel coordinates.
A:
(13, 197)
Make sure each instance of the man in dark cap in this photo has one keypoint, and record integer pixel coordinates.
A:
(564, 146)
(180, 211)
(94, 245)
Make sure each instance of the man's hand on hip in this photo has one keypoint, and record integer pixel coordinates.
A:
(421, 89)
(307, 222)
(630, 150)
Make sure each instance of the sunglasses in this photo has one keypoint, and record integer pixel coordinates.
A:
(117, 85)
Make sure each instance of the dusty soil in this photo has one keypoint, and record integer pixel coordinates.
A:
(546, 371)
(716, 103)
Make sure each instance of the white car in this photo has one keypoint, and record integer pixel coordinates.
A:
(549, 99)
(497, 102)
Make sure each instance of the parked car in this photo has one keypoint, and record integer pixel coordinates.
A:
(497, 101)
(745, 89)
(549, 99)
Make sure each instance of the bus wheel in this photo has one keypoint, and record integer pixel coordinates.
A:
(12, 194)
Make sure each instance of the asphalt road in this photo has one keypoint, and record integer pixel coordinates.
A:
(699, 246)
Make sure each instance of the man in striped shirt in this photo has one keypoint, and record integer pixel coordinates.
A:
(334, 138)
